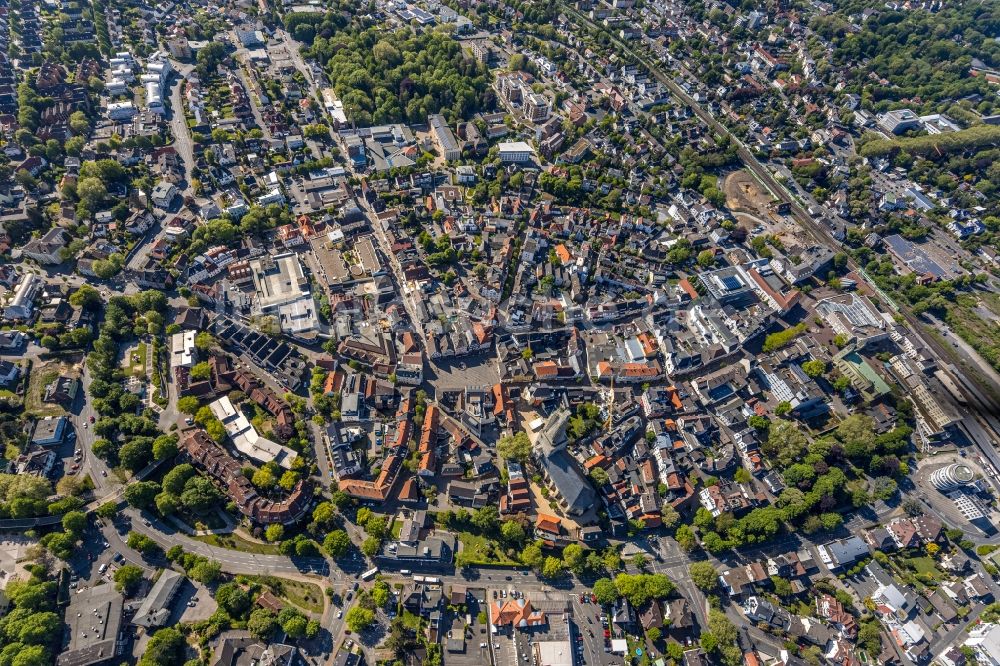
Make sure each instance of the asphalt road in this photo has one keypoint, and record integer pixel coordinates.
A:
(232, 561)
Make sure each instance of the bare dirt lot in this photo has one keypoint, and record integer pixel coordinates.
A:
(752, 206)
(743, 193)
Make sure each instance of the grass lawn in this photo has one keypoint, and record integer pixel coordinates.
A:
(138, 360)
(923, 565)
(397, 527)
(12, 399)
(411, 621)
(477, 549)
(236, 542)
(307, 596)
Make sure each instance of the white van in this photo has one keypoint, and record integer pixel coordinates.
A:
(103, 568)
(404, 572)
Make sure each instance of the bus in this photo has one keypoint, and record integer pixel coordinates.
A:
(368, 575)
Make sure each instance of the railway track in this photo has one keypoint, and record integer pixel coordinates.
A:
(983, 400)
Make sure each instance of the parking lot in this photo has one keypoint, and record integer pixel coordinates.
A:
(583, 629)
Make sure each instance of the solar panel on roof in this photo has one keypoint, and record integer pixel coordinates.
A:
(731, 283)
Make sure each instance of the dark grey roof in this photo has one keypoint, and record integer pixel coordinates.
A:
(155, 608)
(574, 489)
(93, 620)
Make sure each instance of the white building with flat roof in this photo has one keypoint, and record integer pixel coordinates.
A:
(120, 111)
(516, 151)
(182, 351)
(985, 640)
(282, 290)
(245, 437)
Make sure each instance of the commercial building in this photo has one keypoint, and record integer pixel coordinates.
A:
(952, 477)
(282, 290)
(245, 437)
(899, 121)
(155, 608)
(842, 553)
(46, 249)
(985, 641)
(121, 111)
(444, 138)
(516, 151)
(50, 431)
(93, 620)
(182, 350)
(163, 194)
(22, 306)
(854, 317)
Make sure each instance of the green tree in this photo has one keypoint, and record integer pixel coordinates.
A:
(175, 480)
(91, 192)
(167, 504)
(205, 571)
(85, 297)
(274, 532)
(640, 588)
(264, 478)
(782, 587)
(337, 543)
(142, 543)
(188, 405)
(358, 619)
(108, 510)
(165, 648)
(136, 454)
(516, 447)
(165, 447)
(552, 567)
(233, 599)
(78, 122)
(486, 519)
(380, 594)
(814, 368)
(127, 578)
(685, 538)
(371, 547)
(324, 513)
(669, 516)
(75, 522)
(599, 477)
(512, 533)
(704, 575)
(201, 371)
(605, 591)
(785, 443)
(200, 495)
(574, 557)
(288, 480)
(262, 624)
(141, 494)
(857, 434)
(532, 556)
